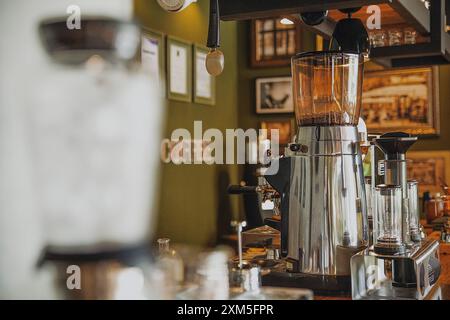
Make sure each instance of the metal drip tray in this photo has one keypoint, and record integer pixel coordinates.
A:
(320, 284)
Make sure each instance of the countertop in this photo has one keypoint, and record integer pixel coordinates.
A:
(445, 294)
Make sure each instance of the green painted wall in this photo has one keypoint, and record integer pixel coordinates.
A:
(193, 202)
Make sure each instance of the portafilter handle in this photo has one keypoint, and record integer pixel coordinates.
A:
(238, 189)
(266, 190)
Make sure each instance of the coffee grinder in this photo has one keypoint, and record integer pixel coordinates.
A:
(400, 264)
(320, 181)
(394, 168)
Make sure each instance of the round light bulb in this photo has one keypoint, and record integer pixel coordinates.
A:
(215, 62)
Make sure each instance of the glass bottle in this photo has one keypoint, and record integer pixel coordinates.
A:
(245, 284)
(410, 36)
(171, 261)
(211, 277)
(378, 38)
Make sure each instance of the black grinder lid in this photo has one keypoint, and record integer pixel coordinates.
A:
(395, 144)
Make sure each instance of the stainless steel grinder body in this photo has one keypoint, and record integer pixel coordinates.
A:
(326, 215)
(323, 204)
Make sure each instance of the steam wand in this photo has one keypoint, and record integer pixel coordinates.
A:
(239, 226)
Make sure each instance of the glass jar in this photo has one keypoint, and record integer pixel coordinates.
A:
(171, 261)
(413, 209)
(395, 37)
(327, 88)
(410, 36)
(395, 173)
(378, 38)
(388, 220)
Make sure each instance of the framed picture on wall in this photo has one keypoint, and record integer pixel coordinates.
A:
(153, 56)
(402, 100)
(284, 127)
(430, 169)
(285, 132)
(274, 95)
(273, 43)
(204, 83)
(179, 69)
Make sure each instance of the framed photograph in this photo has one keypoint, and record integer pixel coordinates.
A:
(273, 43)
(204, 83)
(153, 56)
(402, 100)
(430, 169)
(274, 95)
(179, 69)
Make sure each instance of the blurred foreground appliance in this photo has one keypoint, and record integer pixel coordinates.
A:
(105, 272)
(92, 128)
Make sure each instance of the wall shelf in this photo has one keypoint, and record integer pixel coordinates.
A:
(412, 11)
(435, 52)
(433, 45)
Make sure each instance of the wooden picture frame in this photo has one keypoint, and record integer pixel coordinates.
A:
(286, 132)
(179, 69)
(430, 169)
(274, 95)
(157, 38)
(273, 44)
(204, 84)
(285, 128)
(403, 99)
